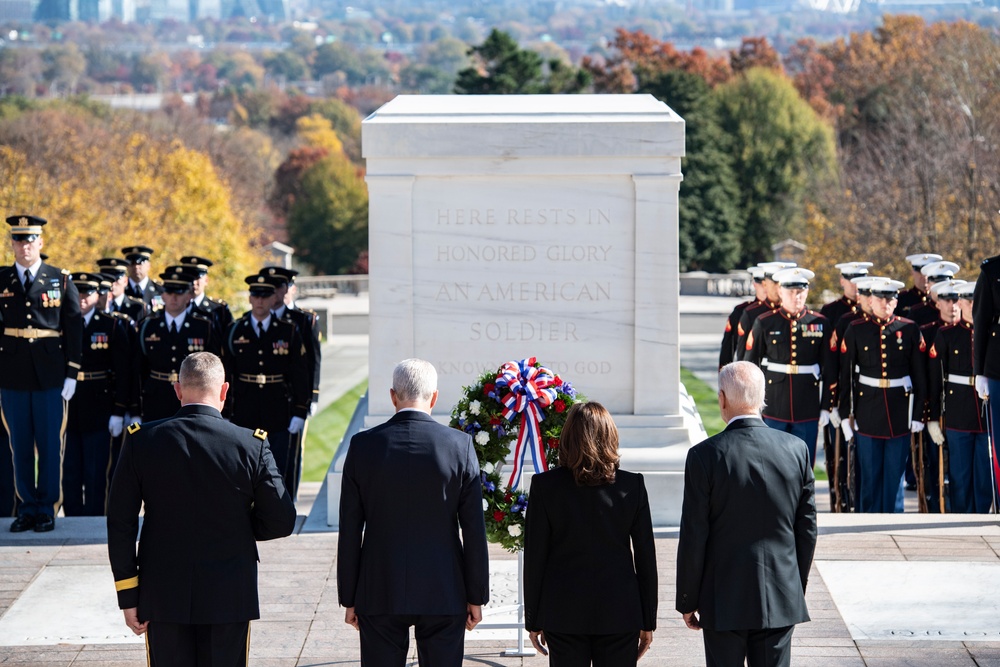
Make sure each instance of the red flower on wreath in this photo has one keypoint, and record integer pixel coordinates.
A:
(559, 405)
(553, 443)
(558, 381)
(494, 421)
(488, 388)
(507, 498)
(498, 516)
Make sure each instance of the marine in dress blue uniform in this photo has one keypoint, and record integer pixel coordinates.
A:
(935, 272)
(986, 346)
(39, 359)
(752, 312)
(793, 340)
(885, 404)
(727, 351)
(917, 294)
(954, 401)
(97, 410)
(266, 367)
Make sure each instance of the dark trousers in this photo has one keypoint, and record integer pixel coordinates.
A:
(36, 420)
(969, 472)
(182, 645)
(573, 650)
(882, 461)
(293, 468)
(808, 432)
(833, 436)
(86, 464)
(385, 639)
(770, 647)
(7, 495)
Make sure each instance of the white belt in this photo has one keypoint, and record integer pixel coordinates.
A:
(962, 379)
(793, 369)
(886, 383)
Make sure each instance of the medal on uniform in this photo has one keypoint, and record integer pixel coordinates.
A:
(280, 347)
(99, 341)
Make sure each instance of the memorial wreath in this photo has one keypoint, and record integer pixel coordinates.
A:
(522, 404)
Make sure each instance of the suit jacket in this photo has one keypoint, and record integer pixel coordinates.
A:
(52, 303)
(408, 486)
(589, 556)
(211, 490)
(748, 529)
(986, 319)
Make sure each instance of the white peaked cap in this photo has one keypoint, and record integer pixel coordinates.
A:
(948, 287)
(922, 259)
(771, 267)
(940, 269)
(885, 286)
(966, 289)
(853, 268)
(756, 271)
(793, 276)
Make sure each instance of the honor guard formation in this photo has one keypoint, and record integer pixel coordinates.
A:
(89, 355)
(895, 382)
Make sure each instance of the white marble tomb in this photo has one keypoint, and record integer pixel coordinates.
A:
(504, 227)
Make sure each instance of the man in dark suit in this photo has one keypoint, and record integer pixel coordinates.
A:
(211, 490)
(409, 485)
(748, 531)
(40, 354)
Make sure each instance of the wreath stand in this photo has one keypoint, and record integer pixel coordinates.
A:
(522, 650)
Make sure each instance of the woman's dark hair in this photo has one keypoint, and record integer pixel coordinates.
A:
(588, 445)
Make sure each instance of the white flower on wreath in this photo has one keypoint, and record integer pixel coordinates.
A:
(474, 407)
(482, 438)
(488, 468)
(486, 504)
(514, 530)
(464, 415)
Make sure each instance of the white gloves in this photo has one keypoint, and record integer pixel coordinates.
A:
(115, 425)
(916, 427)
(129, 419)
(845, 426)
(824, 418)
(934, 429)
(69, 388)
(295, 426)
(982, 387)
(835, 418)
(312, 409)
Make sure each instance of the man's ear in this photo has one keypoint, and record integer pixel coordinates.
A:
(177, 391)
(434, 399)
(395, 400)
(223, 391)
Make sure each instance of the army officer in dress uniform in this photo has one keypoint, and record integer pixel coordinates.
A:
(793, 340)
(954, 402)
(164, 339)
(118, 301)
(39, 361)
(211, 490)
(97, 411)
(308, 324)
(217, 309)
(140, 285)
(886, 404)
(266, 366)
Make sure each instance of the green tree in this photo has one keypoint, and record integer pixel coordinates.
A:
(287, 65)
(328, 222)
(782, 153)
(710, 225)
(503, 68)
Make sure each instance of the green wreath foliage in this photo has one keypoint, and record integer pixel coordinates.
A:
(480, 413)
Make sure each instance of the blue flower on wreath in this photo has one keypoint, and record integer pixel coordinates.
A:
(568, 389)
(488, 485)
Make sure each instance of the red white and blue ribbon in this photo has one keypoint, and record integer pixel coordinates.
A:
(531, 390)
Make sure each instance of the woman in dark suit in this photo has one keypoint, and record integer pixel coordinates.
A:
(589, 556)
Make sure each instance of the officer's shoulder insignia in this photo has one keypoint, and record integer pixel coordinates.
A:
(65, 272)
(990, 259)
(260, 434)
(134, 427)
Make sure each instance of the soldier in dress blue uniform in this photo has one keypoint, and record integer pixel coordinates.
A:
(266, 366)
(848, 302)
(954, 402)
(934, 273)
(944, 296)
(217, 309)
(728, 350)
(793, 340)
(986, 346)
(886, 403)
(165, 338)
(308, 324)
(39, 360)
(140, 285)
(752, 312)
(118, 301)
(917, 294)
(97, 411)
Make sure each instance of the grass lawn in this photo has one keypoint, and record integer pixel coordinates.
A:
(707, 401)
(325, 432)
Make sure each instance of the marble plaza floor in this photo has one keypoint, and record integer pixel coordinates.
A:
(885, 591)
